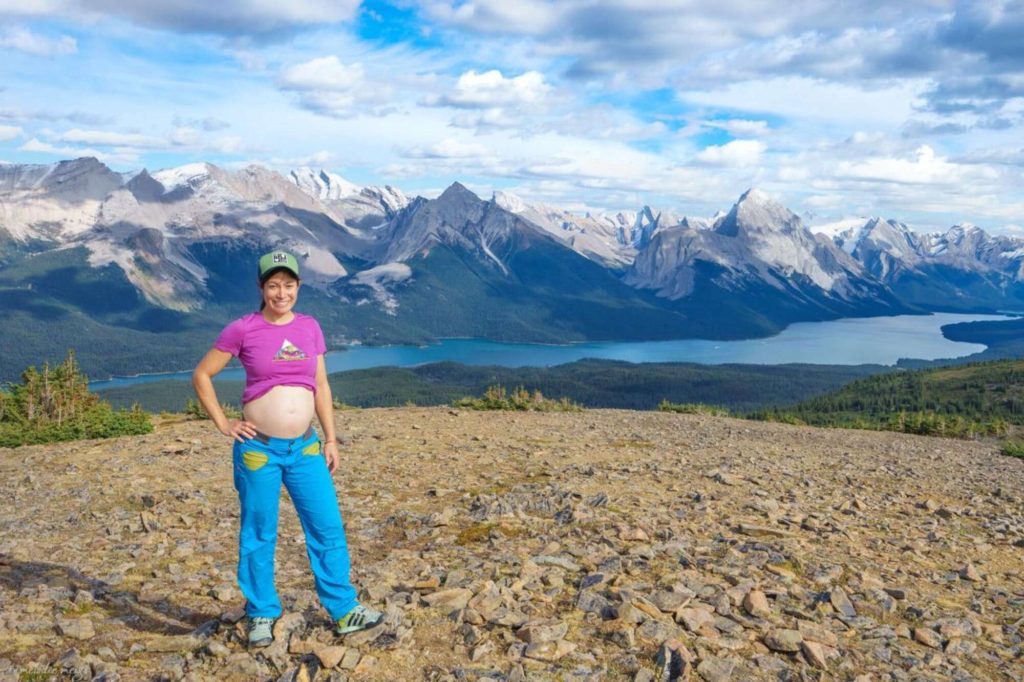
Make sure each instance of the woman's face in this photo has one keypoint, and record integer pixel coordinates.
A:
(280, 292)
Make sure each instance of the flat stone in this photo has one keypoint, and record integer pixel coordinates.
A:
(450, 600)
(591, 602)
(692, 619)
(817, 633)
(928, 637)
(756, 604)
(76, 628)
(715, 669)
(537, 633)
(815, 654)
(558, 561)
(224, 593)
(350, 660)
(549, 651)
(217, 650)
(174, 644)
(330, 656)
(784, 640)
(287, 624)
(658, 632)
(671, 601)
(897, 593)
(841, 602)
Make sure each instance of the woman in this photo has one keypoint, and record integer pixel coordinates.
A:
(285, 384)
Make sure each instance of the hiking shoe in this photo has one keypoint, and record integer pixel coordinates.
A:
(359, 618)
(261, 631)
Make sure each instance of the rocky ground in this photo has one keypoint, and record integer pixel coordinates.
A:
(602, 545)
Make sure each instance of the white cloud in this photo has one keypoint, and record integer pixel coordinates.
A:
(738, 153)
(25, 40)
(327, 86)
(492, 89)
(109, 139)
(487, 118)
(8, 133)
(739, 127)
(323, 73)
(127, 156)
(925, 167)
(315, 160)
(806, 99)
(449, 148)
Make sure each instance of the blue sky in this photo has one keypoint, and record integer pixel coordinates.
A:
(911, 110)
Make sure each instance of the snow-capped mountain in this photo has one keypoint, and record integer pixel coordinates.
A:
(594, 238)
(125, 254)
(962, 267)
(758, 244)
(322, 185)
(358, 208)
(610, 239)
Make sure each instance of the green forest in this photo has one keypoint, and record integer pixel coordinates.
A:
(590, 383)
(978, 399)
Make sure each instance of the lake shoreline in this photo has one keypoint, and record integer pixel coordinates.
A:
(798, 343)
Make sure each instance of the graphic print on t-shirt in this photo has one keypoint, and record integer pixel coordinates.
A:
(289, 353)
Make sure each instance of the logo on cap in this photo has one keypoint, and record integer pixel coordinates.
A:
(280, 257)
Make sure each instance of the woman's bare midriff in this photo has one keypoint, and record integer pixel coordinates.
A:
(282, 412)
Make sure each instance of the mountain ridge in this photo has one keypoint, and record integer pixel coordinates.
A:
(180, 236)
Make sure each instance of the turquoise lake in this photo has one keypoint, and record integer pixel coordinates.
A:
(850, 341)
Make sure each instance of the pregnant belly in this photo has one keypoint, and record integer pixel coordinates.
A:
(282, 412)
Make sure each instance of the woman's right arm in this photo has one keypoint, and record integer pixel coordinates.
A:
(202, 380)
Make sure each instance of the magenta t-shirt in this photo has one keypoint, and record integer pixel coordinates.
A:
(274, 354)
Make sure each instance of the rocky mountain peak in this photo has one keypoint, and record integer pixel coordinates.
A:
(457, 193)
(756, 211)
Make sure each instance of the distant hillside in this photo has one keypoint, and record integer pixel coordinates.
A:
(981, 393)
(593, 383)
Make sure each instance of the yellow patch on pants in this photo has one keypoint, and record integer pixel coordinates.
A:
(253, 460)
(312, 449)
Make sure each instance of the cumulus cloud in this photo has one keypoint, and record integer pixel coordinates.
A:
(923, 167)
(327, 86)
(25, 40)
(8, 133)
(737, 153)
(492, 89)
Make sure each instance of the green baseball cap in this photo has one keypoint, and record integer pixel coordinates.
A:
(277, 260)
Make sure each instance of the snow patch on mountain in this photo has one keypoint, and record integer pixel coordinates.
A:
(380, 278)
(322, 184)
(182, 177)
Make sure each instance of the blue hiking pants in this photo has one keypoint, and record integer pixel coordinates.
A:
(260, 466)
